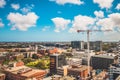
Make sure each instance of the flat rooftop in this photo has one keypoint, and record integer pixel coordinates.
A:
(25, 71)
(61, 78)
(33, 72)
(104, 56)
(79, 68)
(55, 54)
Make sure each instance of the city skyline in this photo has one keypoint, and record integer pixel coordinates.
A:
(58, 20)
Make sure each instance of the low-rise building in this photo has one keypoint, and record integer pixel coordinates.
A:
(21, 72)
(101, 76)
(58, 77)
(81, 71)
(2, 76)
(62, 70)
(74, 61)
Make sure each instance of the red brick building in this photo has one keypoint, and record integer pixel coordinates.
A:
(81, 71)
(21, 72)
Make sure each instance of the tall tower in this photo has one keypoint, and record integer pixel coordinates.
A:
(77, 45)
(56, 60)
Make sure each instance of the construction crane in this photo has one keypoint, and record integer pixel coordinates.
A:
(88, 44)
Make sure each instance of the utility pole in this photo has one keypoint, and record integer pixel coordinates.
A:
(88, 44)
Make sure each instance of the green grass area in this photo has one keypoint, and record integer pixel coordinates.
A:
(40, 64)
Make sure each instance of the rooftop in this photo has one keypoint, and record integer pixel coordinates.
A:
(57, 77)
(79, 68)
(100, 76)
(54, 54)
(33, 72)
(1, 74)
(25, 71)
(104, 56)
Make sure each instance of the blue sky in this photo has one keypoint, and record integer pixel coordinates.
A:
(58, 20)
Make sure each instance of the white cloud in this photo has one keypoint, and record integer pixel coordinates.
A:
(2, 3)
(60, 23)
(1, 23)
(22, 22)
(111, 22)
(118, 7)
(99, 14)
(115, 17)
(46, 28)
(15, 6)
(81, 23)
(62, 2)
(27, 8)
(104, 3)
(105, 24)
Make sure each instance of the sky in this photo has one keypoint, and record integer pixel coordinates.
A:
(59, 20)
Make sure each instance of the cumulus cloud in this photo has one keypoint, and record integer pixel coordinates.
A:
(105, 24)
(115, 17)
(1, 23)
(27, 8)
(46, 28)
(104, 3)
(62, 2)
(60, 23)
(15, 6)
(99, 14)
(81, 23)
(118, 7)
(2, 3)
(112, 22)
(22, 22)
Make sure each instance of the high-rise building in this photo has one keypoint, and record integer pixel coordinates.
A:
(56, 60)
(97, 45)
(101, 61)
(80, 45)
(77, 45)
(114, 70)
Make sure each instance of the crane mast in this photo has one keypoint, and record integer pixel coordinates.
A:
(88, 44)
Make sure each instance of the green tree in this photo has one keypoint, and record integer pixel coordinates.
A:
(6, 62)
(35, 56)
(27, 60)
(43, 64)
